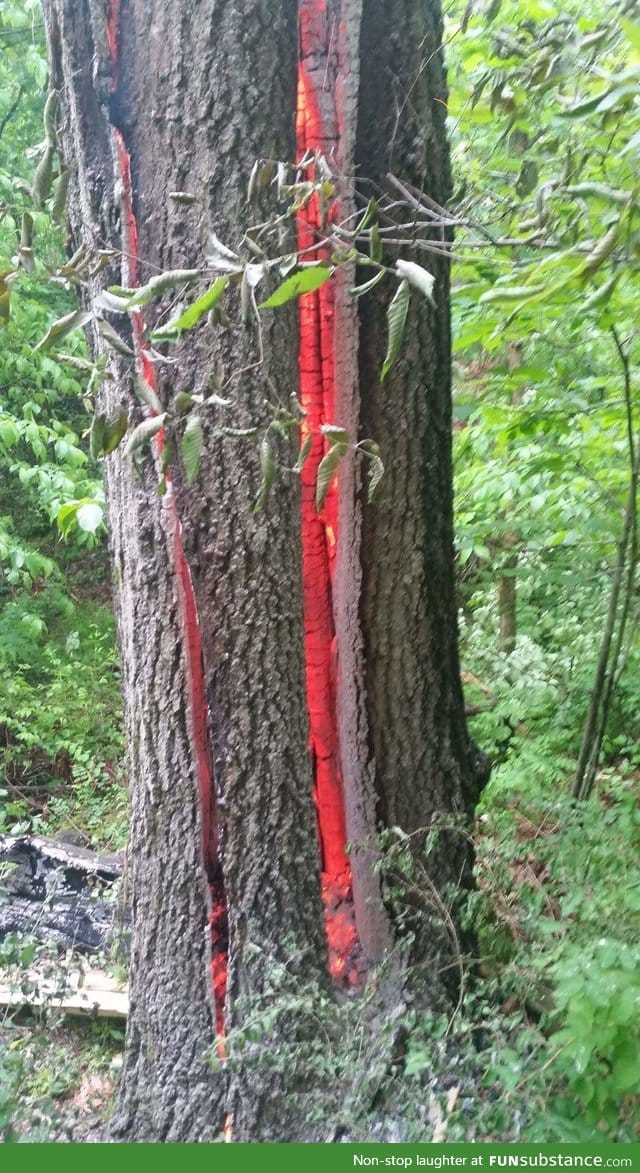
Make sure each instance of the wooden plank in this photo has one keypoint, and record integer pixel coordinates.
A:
(80, 992)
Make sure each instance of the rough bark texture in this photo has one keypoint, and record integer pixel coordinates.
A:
(201, 92)
(425, 764)
(168, 1091)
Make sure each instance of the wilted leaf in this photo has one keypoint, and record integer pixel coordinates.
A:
(144, 432)
(326, 470)
(42, 176)
(161, 284)
(375, 473)
(147, 395)
(334, 434)
(305, 449)
(115, 428)
(5, 295)
(191, 447)
(57, 330)
(59, 205)
(396, 319)
(508, 293)
(97, 434)
(113, 339)
(304, 281)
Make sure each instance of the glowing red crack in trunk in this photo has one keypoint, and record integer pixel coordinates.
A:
(197, 702)
(317, 130)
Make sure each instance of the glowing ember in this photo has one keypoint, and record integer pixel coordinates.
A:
(320, 531)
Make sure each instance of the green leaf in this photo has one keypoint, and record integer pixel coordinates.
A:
(147, 394)
(96, 435)
(304, 281)
(632, 31)
(161, 284)
(508, 293)
(89, 516)
(334, 434)
(144, 432)
(199, 308)
(396, 320)
(326, 470)
(305, 449)
(359, 290)
(115, 428)
(57, 330)
(191, 447)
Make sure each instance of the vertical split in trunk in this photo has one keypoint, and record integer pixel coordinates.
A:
(188, 614)
(318, 129)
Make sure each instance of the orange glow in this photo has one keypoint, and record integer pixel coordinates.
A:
(320, 530)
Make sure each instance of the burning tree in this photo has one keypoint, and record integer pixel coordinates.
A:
(291, 681)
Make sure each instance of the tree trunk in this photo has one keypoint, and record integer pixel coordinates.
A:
(425, 763)
(191, 118)
(184, 98)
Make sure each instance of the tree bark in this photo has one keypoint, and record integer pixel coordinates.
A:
(425, 764)
(199, 94)
(184, 98)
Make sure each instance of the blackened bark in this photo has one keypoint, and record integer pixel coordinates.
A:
(425, 764)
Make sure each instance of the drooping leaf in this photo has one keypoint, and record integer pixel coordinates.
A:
(326, 470)
(182, 402)
(375, 474)
(43, 176)
(602, 250)
(191, 447)
(147, 394)
(305, 449)
(5, 295)
(160, 284)
(334, 434)
(57, 330)
(144, 432)
(396, 320)
(304, 281)
(508, 293)
(97, 434)
(113, 339)
(115, 428)
(50, 115)
(59, 205)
